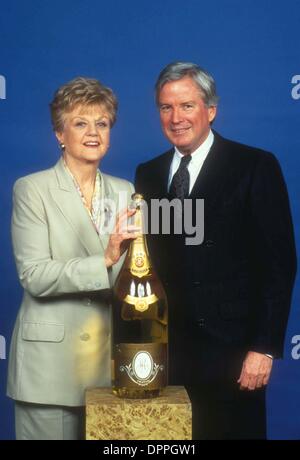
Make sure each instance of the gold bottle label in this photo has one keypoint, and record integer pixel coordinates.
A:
(141, 303)
(139, 263)
(141, 365)
(139, 258)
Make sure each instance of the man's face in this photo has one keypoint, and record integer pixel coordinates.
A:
(185, 119)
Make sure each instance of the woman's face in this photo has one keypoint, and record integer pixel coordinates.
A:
(86, 134)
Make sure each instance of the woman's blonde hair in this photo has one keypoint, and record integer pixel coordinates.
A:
(85, 92)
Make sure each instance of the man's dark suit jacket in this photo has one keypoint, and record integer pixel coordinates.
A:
(232, 293)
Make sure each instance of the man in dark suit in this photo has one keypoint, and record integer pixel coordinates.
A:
(229, 296)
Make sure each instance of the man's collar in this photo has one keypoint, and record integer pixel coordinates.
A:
(204, 147)
(201, 150)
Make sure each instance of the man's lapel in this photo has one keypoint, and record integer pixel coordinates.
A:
(162, 174)
(70, 204)
(209, 182)
(210, 179)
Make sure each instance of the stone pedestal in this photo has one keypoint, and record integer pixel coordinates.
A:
(168, 417)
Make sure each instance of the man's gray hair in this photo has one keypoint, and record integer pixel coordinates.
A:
(178, 70)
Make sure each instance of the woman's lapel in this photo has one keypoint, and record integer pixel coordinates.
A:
(70, 204)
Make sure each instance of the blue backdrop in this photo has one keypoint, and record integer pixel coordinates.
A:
(251, 48)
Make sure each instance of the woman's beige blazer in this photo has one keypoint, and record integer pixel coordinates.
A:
(61, 340)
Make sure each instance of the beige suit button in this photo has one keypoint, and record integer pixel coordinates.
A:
(87, 301)
(85, 336)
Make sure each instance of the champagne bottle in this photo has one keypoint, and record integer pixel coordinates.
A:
(140, 322)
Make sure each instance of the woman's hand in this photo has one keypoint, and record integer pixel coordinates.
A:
(120, 238)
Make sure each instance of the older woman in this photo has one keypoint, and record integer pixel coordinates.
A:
(67, 264)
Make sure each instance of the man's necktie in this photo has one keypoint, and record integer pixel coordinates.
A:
(180, 184)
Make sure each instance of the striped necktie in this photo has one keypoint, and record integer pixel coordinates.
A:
(180, 184)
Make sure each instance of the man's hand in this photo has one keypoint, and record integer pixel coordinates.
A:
(256, 371)
(120, 237)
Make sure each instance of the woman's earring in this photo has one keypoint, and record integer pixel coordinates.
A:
(62, 146)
